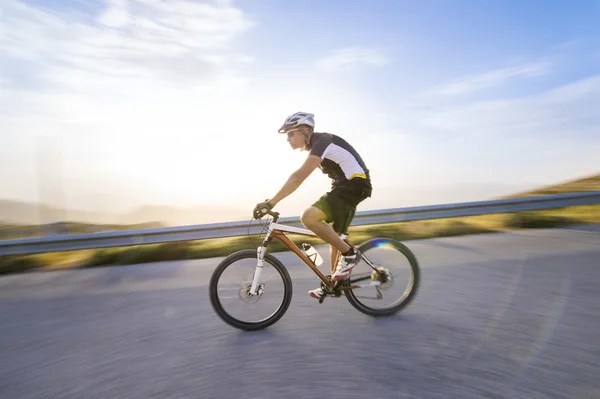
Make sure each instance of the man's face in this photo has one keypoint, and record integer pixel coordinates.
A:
(295, 138)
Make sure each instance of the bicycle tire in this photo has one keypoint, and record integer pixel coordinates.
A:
(243, 325)
(415, 270)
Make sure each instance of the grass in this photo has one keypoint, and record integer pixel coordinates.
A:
(219, 247)
(590, 183)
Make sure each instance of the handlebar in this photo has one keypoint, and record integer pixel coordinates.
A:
(275, 215)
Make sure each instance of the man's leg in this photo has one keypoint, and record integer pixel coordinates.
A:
(333, 257)
(314, 219)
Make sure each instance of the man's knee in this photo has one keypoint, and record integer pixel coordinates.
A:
(312, 215)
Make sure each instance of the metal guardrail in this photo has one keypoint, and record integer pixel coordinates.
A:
(233, 229)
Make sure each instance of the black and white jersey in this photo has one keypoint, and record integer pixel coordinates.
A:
(339, 160)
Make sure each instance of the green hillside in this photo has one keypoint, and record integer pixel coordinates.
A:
(591, 183)
(11, 232)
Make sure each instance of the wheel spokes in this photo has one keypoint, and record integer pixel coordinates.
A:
(387, 267)
(234, 291)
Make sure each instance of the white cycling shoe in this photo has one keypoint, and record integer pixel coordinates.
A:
(342, 271)
(317, 293)
(344, 267)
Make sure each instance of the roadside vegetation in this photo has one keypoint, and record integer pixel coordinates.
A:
(219, 247)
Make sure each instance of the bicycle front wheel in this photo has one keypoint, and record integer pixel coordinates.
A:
(389, 283)
(229, 290)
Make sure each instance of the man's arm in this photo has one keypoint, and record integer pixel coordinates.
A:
(296, 178)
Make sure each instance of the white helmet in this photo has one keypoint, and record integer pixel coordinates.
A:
(297, 119)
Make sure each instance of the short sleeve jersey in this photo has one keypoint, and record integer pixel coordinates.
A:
(339, 160)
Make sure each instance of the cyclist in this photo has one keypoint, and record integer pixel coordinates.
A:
(351, 184)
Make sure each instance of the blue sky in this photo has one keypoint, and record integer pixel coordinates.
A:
(154, 102)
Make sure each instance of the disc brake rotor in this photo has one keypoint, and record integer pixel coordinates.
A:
(244, 292)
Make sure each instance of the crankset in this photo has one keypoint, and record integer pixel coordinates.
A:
(330, 292)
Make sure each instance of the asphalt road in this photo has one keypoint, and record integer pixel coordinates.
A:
(511, 315)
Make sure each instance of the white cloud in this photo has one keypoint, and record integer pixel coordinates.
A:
(115, 14)
(344, 58)
(531, 140)
(138, 51)
(489, 79)
(133, 91)
(137, 39)
(562, 110)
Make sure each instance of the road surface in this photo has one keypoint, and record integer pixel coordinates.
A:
(507, 315)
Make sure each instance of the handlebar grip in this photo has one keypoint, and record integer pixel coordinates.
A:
(264, 212)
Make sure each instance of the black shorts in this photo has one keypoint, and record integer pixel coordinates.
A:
(339, 205)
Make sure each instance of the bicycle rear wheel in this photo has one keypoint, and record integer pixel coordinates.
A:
(230, 284)
(396, 271)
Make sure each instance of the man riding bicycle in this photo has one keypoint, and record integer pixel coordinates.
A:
(351, 184)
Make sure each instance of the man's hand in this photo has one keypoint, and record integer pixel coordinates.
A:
(261, 209)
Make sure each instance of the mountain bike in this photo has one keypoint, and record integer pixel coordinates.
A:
(260, 286)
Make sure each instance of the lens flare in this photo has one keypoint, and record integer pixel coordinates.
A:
(383, 243)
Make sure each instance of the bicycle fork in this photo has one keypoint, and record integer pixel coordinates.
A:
(260, 256)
